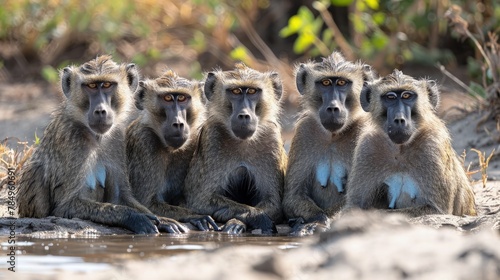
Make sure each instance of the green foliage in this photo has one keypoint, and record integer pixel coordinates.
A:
(50, 74)
(139, 31)
(381, 28)
(306, 26)
(240, 54)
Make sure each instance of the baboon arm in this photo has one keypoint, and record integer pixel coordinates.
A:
(272, 208)
(130, 201)
(179, 213)
(223, 209)
(301, 206)
(109, 214)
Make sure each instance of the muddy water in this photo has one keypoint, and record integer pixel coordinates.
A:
(93, 253)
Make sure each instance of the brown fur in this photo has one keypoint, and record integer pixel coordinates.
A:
(304, 196)
(157, 170)
(54, 180)
(219, 156)
(427, 157)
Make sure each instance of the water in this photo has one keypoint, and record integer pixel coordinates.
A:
(94, 253)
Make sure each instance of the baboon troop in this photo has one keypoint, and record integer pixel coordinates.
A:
(168, 153)
(79, 169)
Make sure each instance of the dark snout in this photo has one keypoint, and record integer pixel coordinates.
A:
(100, 119)
(400, 127)
(244, 124)
(176, 130)
(333, 116)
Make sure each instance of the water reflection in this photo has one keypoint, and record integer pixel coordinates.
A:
(99, 252)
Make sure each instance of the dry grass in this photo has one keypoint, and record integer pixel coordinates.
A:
(483, 163)
(14, 158)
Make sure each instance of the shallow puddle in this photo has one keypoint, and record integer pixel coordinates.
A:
(92, 253)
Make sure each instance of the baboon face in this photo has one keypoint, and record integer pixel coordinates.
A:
(243, 99)
(334, 91)
(331, 88)
(398, 106)
(243, 119)
(172, 104)
(100, 90)
(396, 102)
(100, 114)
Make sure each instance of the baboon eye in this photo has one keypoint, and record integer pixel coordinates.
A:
(251, 91)
(391, 96)
(341, 82)
(326, 82)
(181, 97)
(406, 95)
(168, 97)
(92, 85)
(106, 84)
(236, 90)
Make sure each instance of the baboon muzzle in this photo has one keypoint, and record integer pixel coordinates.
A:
(244, 124)
(176, 128)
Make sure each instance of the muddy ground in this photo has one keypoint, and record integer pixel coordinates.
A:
(367, 245)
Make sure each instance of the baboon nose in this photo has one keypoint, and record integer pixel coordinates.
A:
(333, 109)
(100, 112)
(178, 125)
(399, 121)
(244, 117)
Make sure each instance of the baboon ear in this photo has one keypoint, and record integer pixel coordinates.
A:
(139, 96)
(434, 95)
(210, 85)
(301, 78)
(66, 81)
(368, 73)
(201, 89)
(277, 85)
(132, 77)
(365, 97)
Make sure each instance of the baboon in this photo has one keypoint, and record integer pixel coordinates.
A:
(237, 171)
(79, 168)
(404, 160)
(160, 145)
(322, 148)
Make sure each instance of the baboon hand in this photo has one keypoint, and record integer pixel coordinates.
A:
(234, 226)
(171, 226)
(141, 223)
(262, 221)
(204, 223)
(300, 227)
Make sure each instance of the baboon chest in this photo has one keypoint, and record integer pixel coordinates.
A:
(329, 182)
(402, 190)
(99, 184)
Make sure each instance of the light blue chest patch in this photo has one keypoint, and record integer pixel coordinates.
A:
(337, 176)
(335, 173)
(322, 173)
(97, 175)
(399, 183)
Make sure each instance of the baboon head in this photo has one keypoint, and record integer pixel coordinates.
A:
(98, 91)
(399, 103)
(331, 89)
(175, 106)
(243, 99)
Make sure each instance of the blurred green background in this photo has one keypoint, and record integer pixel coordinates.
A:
(39, 37)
